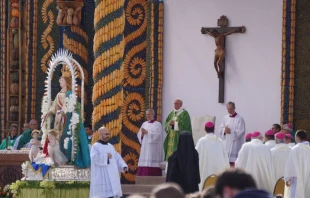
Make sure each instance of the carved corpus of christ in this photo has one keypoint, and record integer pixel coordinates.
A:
(219, 34)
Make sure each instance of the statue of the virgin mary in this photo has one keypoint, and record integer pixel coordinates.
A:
(64, 121)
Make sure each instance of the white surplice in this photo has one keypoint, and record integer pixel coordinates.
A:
(298, 170)
(151, 154)
(255, 158)
(105, 180)
(292, 144)
(279, 157)
(236, 138)
(270, 143)
(213, 158)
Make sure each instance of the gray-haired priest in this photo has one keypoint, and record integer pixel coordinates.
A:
(150, 136)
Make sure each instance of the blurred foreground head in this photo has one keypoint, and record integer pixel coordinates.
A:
(168, 190)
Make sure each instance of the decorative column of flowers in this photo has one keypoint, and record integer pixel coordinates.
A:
(30, 59)
(288, 61)
(107, 69)
(135, 85)
(3, 37)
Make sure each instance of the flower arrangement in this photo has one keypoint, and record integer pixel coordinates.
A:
(12, 190)
(5, 192)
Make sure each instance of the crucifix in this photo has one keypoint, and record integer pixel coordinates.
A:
(219, 34)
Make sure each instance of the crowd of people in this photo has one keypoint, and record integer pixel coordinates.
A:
(264, 157)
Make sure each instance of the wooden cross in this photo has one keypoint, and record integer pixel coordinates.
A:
(219, 34)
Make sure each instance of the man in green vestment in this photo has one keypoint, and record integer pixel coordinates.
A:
(11, 139)
(26, 136)
(177, 121)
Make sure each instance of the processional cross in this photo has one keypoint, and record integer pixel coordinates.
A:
(219, 34)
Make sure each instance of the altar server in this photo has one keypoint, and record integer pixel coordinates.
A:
(213, 158)
(279, 155)
(232, 131)
(297, 170)
(150, 137)
(105, 166)
(255, 158)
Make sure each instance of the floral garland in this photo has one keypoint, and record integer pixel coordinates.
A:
(48, 186)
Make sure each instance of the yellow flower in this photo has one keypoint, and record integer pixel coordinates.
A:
(133, 110)
(131, 160)
(135, 11)
(136, 71)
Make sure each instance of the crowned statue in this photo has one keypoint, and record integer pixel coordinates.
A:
(63, 116)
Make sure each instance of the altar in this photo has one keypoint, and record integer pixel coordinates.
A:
(10, 165)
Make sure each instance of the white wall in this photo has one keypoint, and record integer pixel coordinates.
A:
(253, 59)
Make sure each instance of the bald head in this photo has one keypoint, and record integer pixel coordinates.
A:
(104, 134)
(177, 104)
(33, 124)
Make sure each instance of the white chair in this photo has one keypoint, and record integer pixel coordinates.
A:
(198, 126)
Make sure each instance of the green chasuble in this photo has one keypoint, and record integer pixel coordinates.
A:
(172, 138)
(11, 143)
(25, 138)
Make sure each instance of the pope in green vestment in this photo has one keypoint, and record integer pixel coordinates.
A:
(182, 122)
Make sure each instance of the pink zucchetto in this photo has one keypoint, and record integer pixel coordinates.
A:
(248, 136)
(269, 132)
(209, 125)
(289, 136)
(255, 134)
(288, 127)
(280, 136)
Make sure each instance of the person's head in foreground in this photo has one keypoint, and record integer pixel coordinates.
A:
(208, 193)
(235, 183)
(301, 136)
(136, 196)
(168, 190)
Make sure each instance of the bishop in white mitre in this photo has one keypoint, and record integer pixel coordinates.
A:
(297, 170)
(213, 158)
(150, 137)
(232, 131)
(255, 158)
(269, 139)
(106, 164)
(279, 155)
